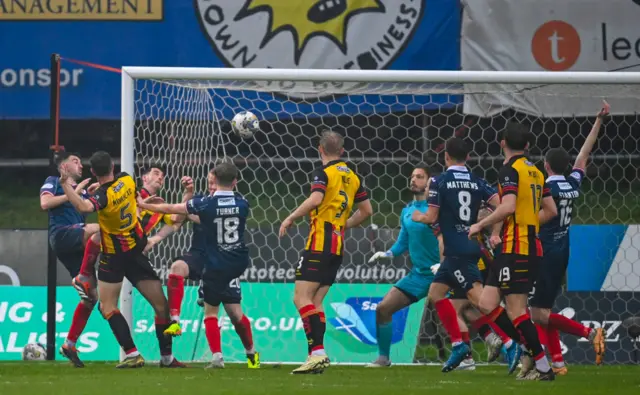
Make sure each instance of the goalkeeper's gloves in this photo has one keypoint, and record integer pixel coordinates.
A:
(381, 255)
(434, 268)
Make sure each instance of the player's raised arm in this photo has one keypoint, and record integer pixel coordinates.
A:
(433, 200)
(163, 208)
(80, 204)
(187, 183)
(587, 147)
(318, 187)
(508, 180)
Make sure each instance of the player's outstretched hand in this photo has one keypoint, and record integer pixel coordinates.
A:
(380, 255)
(474, 230)
(285, 226)
(151, 241)
(604, 111)
(187, 183)
(93, 187)
(434, 268)
(64, 174)
(494, 241)
(82, 185)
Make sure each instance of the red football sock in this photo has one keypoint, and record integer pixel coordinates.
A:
(449, 319)
(175, 290)
(213, 334)
(503, 336)
(243, 329)
(553, 343)
(80, 318)
(542, 335)
(465, 337)
(91, 252)
(566, 325)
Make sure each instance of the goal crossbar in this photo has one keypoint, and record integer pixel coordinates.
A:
(404, 76)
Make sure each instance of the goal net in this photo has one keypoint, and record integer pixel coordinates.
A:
(180, 118)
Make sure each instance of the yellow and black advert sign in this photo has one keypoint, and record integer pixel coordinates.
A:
(82, 10)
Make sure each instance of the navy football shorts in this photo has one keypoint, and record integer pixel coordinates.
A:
(459, 273)
(195, 260)
(222, 285)
(67, 242)
(549, 281)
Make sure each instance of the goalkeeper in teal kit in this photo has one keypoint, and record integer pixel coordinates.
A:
(421, 242)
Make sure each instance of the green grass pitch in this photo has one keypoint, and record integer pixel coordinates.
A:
(102, 378)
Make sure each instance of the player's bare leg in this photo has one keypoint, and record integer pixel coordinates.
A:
(463, 309)
(109, 294)
(178, 272)
(554, 322)
(242, 326)
(449, 320)
(306, 295)
(392, 302)
(152, 291)
(212, 330)
(492, 341)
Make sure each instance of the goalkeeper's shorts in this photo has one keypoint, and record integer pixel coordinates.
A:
(415, 285)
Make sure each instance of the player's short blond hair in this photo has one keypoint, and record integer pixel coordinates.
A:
(332, 143)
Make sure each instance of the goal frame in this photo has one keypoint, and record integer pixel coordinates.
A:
(130, 73)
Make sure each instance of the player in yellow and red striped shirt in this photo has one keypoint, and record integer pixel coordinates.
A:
(335, 188)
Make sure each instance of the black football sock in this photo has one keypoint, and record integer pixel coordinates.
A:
(121, 330)
(484, 330)
(164, 341)
(503, 321)
(530, 334)
(305, 312)
(317, 332)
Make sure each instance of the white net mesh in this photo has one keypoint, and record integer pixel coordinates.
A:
(185, 126)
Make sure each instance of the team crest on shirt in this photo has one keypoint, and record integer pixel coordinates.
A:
(310, 34)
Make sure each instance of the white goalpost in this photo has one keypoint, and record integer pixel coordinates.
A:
(392, 120)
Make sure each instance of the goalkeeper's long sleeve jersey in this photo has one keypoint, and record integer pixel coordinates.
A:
(417, 238)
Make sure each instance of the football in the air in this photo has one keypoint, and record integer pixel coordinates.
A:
(245, 124)
(34, 352)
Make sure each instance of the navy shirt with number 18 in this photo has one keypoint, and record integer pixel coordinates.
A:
(459, 195)
(223, 219)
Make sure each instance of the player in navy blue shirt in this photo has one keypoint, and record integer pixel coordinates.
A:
(68, 236)
(190, 265)
(554, 235)
(455, 198)
(223, 217)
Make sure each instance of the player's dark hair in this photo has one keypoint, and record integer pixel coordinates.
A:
(225, 173)
(516, 136)
(101, 163)
(423, 167)
(147, 169)
(558, 160)
(457, 149)
(61, 156)
(331, 142)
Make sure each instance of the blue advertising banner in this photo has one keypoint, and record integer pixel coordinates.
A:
(359, 34)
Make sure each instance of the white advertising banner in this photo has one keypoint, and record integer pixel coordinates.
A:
(554, 36)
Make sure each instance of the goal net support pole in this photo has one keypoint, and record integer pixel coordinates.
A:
(161, 103)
